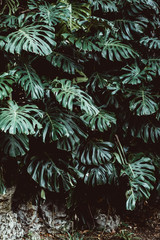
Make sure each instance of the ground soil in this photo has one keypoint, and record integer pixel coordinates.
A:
(142, 224)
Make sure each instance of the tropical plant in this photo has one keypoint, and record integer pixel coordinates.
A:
(79, 93)
(126, 235)
(74, 236)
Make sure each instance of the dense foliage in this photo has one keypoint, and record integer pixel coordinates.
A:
(79, 91)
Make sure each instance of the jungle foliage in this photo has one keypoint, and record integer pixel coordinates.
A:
(79, 94)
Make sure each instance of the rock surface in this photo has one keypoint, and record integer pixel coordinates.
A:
(55, 217)
(107, 223)
(6, 200)
(10, 227)
(29, 221)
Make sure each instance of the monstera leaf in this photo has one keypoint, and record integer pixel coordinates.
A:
(154, 64)
(10, 5)
(140, 172)
(44, 171)
(152, 43)
(136, 6)
(141, 178)
(85, 44)
(115, 50)
(78, 13)
(99, 175)
(143, 103)
(59, 125)
(18, 119)
(14, 145)
(29, 81)
(97, 80)
(51, 14)
(6, 81)
(134, 75)
(65, 62)
(146, 131)
(94, 152)
(128, 27)
(8, 21)
(53, 127)
(107, 6)
(101, 121)
(69, 143)
(70, 95)
(38, 39)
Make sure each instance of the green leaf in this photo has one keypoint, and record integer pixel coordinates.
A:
(70, 95)
(146, 131)
(99, 175)
(94, 152)
(53, 125)
(101, 121)
(18, 119)
(32, 38)
(138, 6)
(44, 171)
(6, 81)
(127, 27)
(78, 12)
(154, 64)
(65, 62)
(107, 6)
(50, 14)
(115, 50)
(43, 194)
(14, 145)
(69, 143)
(29, 81)
(97, 80)
(76, 134)
(60, 125)
(141, 177)
(150, 42)
(10, 5)
(8, 21)
(143, 103)
(134, 75)
(86, 43)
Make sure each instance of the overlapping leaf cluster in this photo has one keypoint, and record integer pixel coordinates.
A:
(82, 78)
